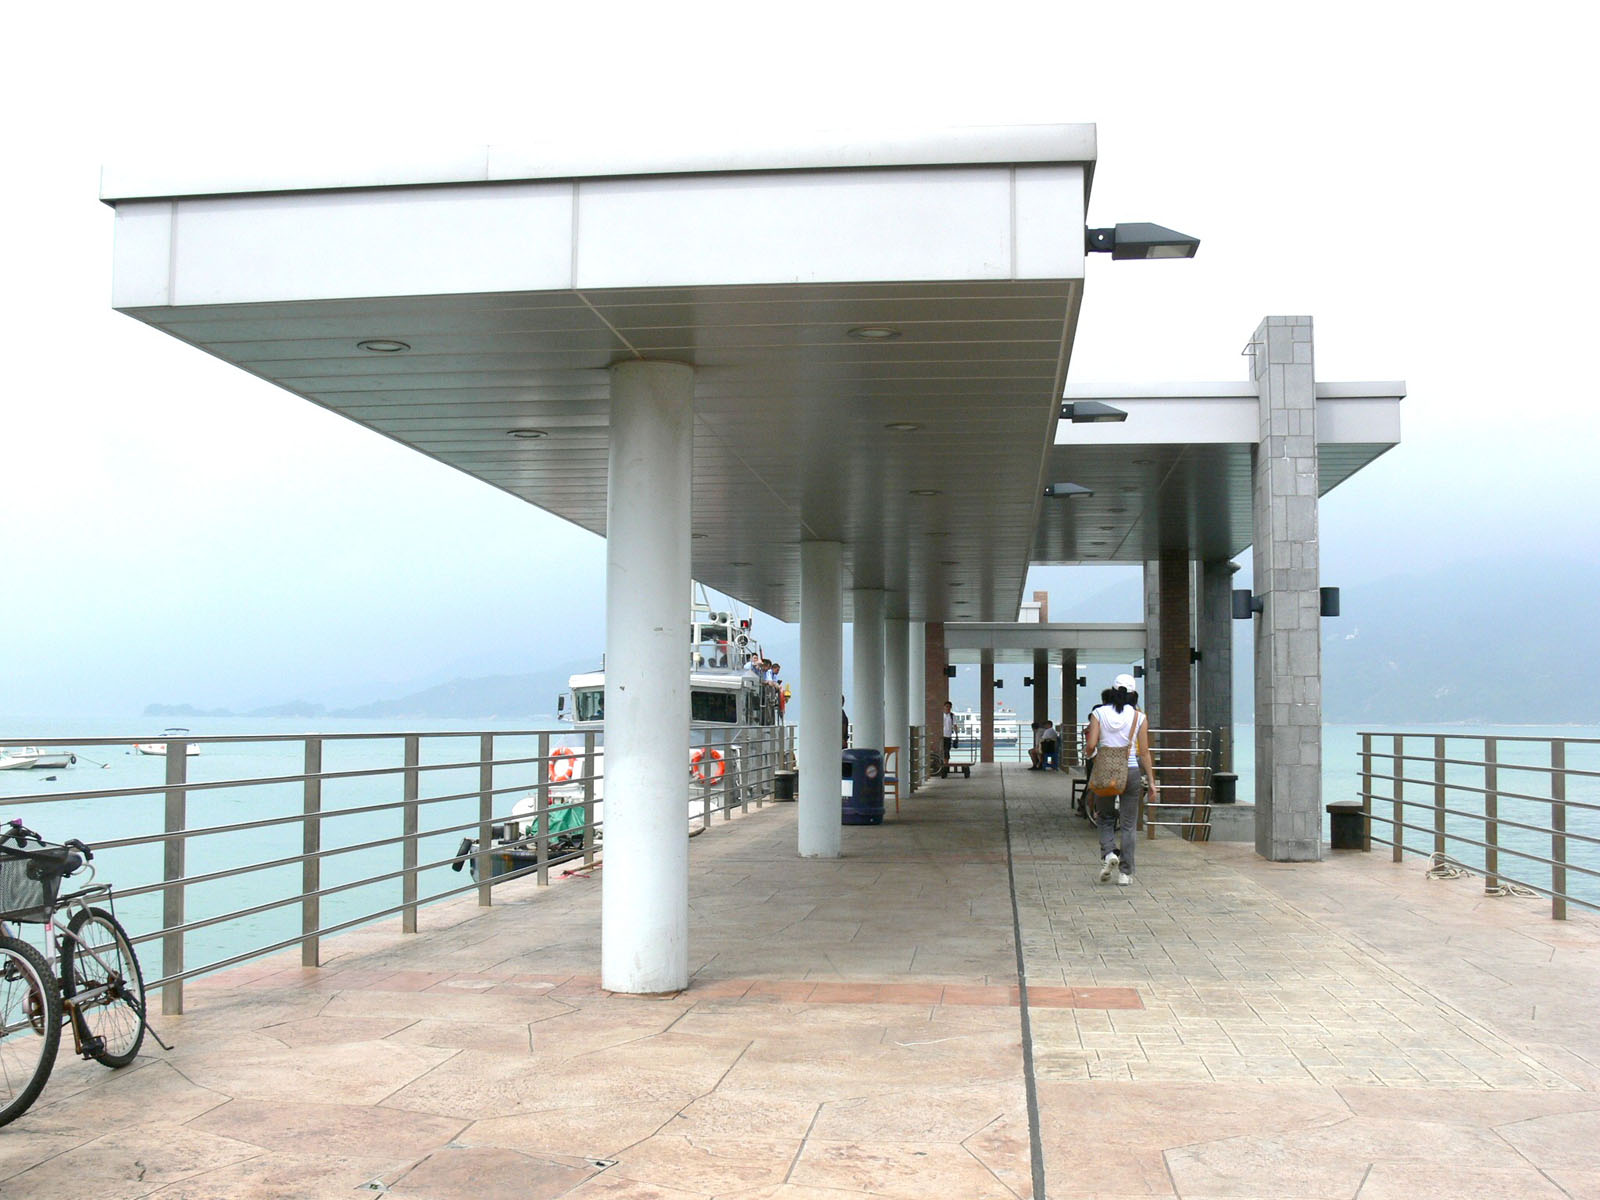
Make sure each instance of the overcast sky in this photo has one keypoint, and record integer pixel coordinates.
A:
(175, 530)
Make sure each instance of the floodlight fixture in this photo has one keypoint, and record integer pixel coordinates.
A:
(1140, 239)
(1081, 412)
(1066, 491)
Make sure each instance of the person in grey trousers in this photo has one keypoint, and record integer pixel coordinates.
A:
(1118, 727)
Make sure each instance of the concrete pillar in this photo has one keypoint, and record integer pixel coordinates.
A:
(1215, 673)
(1176, 673)
(644, 942)
(1150, 685)
(866, 647)
(1288, 630)
(986, 707)
(896, 688)
(916, 673)
(821, 684)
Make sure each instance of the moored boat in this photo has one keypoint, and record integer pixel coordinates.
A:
(160, 748)
(11, 757)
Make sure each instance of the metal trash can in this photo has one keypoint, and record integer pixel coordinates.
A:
(1347, 825)
(1224, 787)
(861, 787)
(785, 785)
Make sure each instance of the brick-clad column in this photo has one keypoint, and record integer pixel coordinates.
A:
(936, 685)
(1176, 676)
(1215, 672)
(1071, 718)
(1288, 630)
(1150, 685)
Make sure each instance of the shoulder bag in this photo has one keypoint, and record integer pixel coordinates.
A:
(1109, 774)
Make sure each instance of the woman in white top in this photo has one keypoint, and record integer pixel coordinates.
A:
(1117, 725)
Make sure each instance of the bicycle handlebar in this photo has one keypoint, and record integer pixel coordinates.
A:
(22, 835)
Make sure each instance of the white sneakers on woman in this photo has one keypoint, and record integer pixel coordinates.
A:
(1111, 863)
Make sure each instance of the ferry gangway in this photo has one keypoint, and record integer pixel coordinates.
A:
(390, 832)
(1483, 797)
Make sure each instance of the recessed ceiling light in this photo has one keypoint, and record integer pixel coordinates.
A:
(924, 491)
(949, 562)
(903, 426)
(937, 533)
(1144, 462)
(383, 346)
(528, 435)
(1107, 528)
(874, 333)
(699, 535)
(737, 563)
(1116, 510)
(1097, 543)
(957, 583)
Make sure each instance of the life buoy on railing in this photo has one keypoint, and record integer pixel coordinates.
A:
(705, 764)
(563, 764)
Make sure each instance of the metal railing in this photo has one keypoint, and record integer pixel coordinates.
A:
(373, 835)
(1182, 759)
(1518, 795)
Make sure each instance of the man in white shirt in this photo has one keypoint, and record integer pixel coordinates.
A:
(949, 734)
(1046, 742)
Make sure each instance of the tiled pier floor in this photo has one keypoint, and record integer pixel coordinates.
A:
(1224, 1027)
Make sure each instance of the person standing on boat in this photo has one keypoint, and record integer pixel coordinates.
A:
(1119, 727)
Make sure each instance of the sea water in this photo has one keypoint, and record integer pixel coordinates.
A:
(107, 819)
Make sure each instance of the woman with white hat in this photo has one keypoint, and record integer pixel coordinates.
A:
(1118, 726)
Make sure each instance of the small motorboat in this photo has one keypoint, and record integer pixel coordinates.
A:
(17, 758)
(160, 748)
(53, 757)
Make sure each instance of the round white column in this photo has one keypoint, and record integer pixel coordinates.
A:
(917, 681)
(896, 722)
(644, 941)
(866, 636)
(821, 685)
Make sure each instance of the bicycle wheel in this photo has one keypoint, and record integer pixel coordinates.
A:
(96, 954)
(30, 1026)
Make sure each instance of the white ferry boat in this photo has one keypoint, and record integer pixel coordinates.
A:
(734, 692)
(1007, 727)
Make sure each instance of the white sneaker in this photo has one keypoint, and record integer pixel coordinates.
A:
(1111, 863)
(1124, 879)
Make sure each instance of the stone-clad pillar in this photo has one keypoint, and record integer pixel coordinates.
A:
(1071, 718)
(1215, 672)
(1288, 630)
(936, 684)
(1175, 674)
(1041, 686)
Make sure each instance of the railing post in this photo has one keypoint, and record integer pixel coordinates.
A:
(408, 830)
(590, 834)
(1399, 795)
(725, 784)
(743, 782)
(1491, 814)
(311, 864)
(1438, 795)
(172, 898)
(485, 859)
(1558, 829)
(1366, 789)
(541, 830)
(705, 791)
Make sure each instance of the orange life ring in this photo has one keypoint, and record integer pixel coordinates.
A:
(563, 765)
(706, 764)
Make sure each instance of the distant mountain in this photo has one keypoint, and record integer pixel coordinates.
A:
(1506, 642)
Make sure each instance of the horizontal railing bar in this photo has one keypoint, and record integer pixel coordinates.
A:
(1478, 816)
(1432, 784)
(1478, 737)
(1479, 764)
(1469, 841)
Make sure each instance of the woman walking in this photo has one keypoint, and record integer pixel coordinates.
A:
(1117, 726)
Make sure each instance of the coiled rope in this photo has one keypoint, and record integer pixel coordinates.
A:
(1442, 866)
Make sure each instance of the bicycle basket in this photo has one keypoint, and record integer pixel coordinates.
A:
(28, 884)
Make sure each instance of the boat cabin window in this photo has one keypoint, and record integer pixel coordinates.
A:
(720, 707)
(589, 704)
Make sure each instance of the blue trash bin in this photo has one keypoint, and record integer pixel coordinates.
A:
(861, 787)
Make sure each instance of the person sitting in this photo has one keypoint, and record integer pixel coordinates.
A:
(1046, 753)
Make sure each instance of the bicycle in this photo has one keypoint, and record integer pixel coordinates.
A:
(95, 986)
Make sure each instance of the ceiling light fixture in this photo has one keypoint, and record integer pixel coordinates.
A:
(528, 435)
(1066, 491)
(874, 333)
(924, 491)
(383, 345)
(903, 426)
(737, 563)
